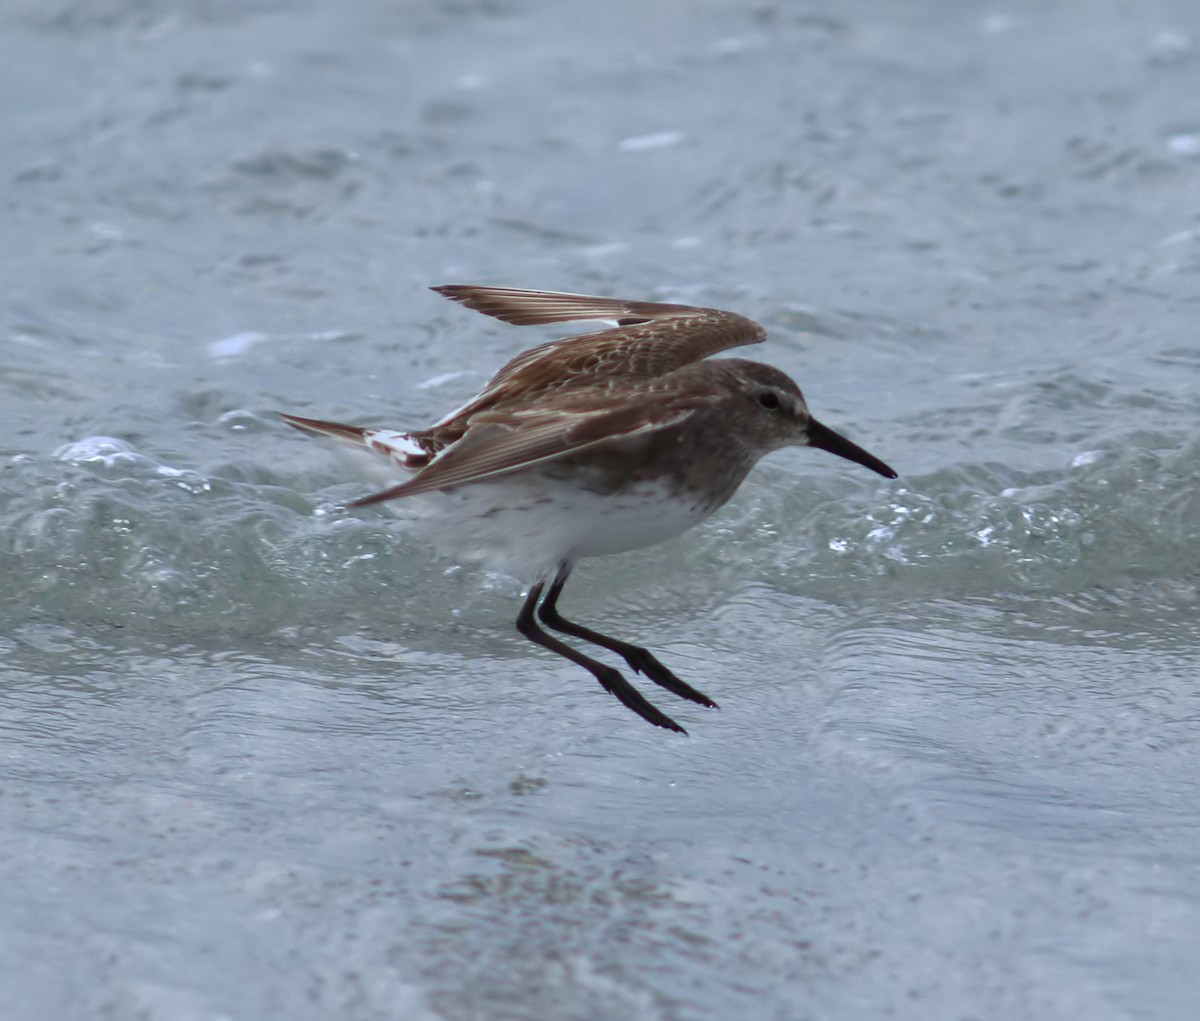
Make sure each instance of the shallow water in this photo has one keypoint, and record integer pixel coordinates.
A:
(263, 759)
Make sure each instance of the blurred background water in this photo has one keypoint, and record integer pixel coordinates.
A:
(262, 759)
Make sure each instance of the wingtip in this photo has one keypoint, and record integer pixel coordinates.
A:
(455, 292)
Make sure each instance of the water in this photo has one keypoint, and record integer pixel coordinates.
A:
(265, 760)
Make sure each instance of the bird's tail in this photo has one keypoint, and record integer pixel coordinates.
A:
(401, 448)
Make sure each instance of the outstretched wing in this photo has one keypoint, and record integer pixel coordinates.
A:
(532, 308)
(501, 444)
(650, 340)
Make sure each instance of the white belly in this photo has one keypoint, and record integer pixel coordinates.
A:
(529, 524)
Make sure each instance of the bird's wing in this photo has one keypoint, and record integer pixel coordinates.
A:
(531, 308)
(503, 443)
(650, 340)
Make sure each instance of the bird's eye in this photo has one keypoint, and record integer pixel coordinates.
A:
(769, 400)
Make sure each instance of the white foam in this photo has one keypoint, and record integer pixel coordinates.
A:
(109, 452)
(439, 380)
(106, 449)
(238, 344)
(1185, 144)
(657, 140)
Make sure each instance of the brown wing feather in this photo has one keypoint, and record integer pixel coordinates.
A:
(655, 339)
(532, 308)
(500, 445)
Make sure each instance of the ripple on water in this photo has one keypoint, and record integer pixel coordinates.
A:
(105, 530)
(1111, 518)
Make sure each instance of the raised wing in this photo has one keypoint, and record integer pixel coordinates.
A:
(499, 444)
(531, 308)
(651, 340)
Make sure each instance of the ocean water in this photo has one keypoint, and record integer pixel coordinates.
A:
(264, 759)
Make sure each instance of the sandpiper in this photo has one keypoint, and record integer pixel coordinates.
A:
(595, 444)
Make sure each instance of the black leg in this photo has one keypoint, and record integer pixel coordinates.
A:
(641, 660)
(609, 678)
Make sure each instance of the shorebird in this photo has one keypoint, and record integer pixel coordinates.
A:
(596, 444)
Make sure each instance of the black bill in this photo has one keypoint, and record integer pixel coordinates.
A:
(824, 438)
